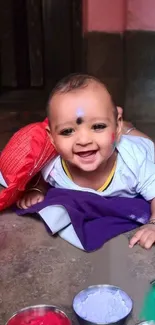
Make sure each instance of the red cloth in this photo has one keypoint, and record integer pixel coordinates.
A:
(23, 157)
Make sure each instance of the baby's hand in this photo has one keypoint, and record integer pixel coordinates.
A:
(145, 237)
(30, 198)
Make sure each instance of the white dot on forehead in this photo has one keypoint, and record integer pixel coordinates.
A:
(79, 112)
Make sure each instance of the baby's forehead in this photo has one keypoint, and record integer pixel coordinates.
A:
(95, 90)
(92, 96)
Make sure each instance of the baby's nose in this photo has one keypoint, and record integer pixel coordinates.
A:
(84, 138)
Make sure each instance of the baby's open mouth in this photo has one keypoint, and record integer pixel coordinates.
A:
(85, 154)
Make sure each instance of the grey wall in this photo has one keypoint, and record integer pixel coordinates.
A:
(126, 63)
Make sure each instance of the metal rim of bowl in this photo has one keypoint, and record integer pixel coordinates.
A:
(145, 322)
(38, 307)
(99, 286)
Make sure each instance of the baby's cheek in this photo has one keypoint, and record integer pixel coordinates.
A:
(109, 145)
(110, 139)
(59, 146)
(113, 140)
(65, 149)
(113, 137)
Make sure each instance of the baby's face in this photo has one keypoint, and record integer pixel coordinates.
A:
(83, 126)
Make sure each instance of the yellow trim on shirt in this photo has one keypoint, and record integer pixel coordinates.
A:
(104, 186)
(66, 169)
(109, 179)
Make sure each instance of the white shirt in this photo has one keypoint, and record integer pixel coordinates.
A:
(134, 174)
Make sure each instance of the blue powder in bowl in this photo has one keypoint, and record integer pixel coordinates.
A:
(102, 304)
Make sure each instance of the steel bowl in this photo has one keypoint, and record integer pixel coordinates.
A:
(39, 310)
(84, 293)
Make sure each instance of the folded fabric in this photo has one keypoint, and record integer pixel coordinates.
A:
(89, 217)
(23, 157)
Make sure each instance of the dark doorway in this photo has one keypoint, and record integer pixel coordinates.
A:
(40, 42)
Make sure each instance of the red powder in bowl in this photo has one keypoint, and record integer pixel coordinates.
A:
(49, 318)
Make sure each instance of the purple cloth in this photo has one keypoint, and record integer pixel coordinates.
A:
(96, 219)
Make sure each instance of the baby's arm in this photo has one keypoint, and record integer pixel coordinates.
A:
(129, 129)
(33, 195)
(145, 236)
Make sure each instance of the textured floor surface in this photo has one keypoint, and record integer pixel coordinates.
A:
(38, 269)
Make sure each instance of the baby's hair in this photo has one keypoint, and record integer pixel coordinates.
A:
(73, 82)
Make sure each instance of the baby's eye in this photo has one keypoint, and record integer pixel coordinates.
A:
(67, 132)
(99, 126)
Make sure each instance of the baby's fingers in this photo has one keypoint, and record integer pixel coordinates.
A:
(135, 239)
(37, 199)
(149, 241)
(21, 204)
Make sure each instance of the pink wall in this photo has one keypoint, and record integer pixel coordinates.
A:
(104, 15)
(118, 15)
(141, 15)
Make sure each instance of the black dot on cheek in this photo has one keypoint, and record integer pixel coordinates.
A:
(79, 121)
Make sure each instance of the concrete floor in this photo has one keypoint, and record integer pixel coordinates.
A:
(36, 268)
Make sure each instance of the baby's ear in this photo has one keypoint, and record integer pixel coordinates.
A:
(119, 127)
(47, 129)
(49, 134)
(120, 111)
